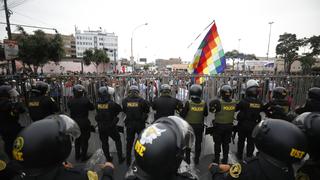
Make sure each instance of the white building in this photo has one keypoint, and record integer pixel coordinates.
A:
(96, 40)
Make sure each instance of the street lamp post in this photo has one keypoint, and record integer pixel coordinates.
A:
(132, 58)
(270, 23)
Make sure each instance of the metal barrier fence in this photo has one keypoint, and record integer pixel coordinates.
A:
(149, 85)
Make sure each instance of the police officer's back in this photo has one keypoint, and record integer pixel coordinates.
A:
(40, 105)
(280, 145)
(248, 117)
(309, 123)
(42, 147)
(166, 105)
(79, 107)
(106, 117)
(278, 107)
(160, 149)
(313, 101)
(194, 112)
(224, 110)
(136, 110)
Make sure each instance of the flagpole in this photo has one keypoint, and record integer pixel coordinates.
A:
(201, 33)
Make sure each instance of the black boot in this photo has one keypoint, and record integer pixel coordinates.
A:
(239, 156)
(224, 160)
(216, 159)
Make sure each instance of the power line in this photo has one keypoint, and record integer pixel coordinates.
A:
(29, 17)
(29, 26)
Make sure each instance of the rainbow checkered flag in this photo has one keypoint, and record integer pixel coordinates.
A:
(209, 58)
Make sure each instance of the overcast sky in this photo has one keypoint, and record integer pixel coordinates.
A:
(174, 24)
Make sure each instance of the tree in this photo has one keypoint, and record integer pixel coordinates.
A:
(95, 57)
(307, 60)
(287, 49)
(38, 49)
(55, 48)
(233, 55)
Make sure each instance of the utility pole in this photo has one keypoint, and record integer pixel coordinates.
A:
(270, 23)
(13, 63)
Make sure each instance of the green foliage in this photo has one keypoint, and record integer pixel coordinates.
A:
(234, 54)
(314, 42)
(306, 63)
(87, 57)
(287, 49)
(38, 49)
(55, 48)
(307, 60)
(95, 56)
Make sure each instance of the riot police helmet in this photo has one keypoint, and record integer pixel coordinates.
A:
(309, 123)
(226, 91)
(165, 89)
(78, 90)
(195, 91)
(133, 90)
(280, 140)
(314, 93)
(252, 88)
(6, 91)
(41, 87)
(45, 144)
(160, 148)
(279, 93)
(103, 91)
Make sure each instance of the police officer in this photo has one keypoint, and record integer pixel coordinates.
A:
(160, 149)
(166, 105)
(136, 110)
(40, 105)
(309, 123)
(224, 110)
(278, 107)
(42, 148)
(248, 117)
(313, 101)
(194, 112)
(280, 144)
(9, 115)
(107, 111)
(79, 107)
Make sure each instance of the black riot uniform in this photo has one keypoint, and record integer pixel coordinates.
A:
(166, 105)
(9, 115)
(107, 111)
(136, 110)
(248, 117)
(313, 101)
(160, 149)
(280, 144)
(42, 147)
(224, 110)
(278, 107)
(194, 112)
(40, 105)
(79, 107)
(309, 123)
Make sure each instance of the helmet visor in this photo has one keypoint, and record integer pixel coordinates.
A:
(188, 137)
(67, 125)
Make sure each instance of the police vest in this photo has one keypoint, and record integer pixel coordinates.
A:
(226, 115)
(195, 113)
